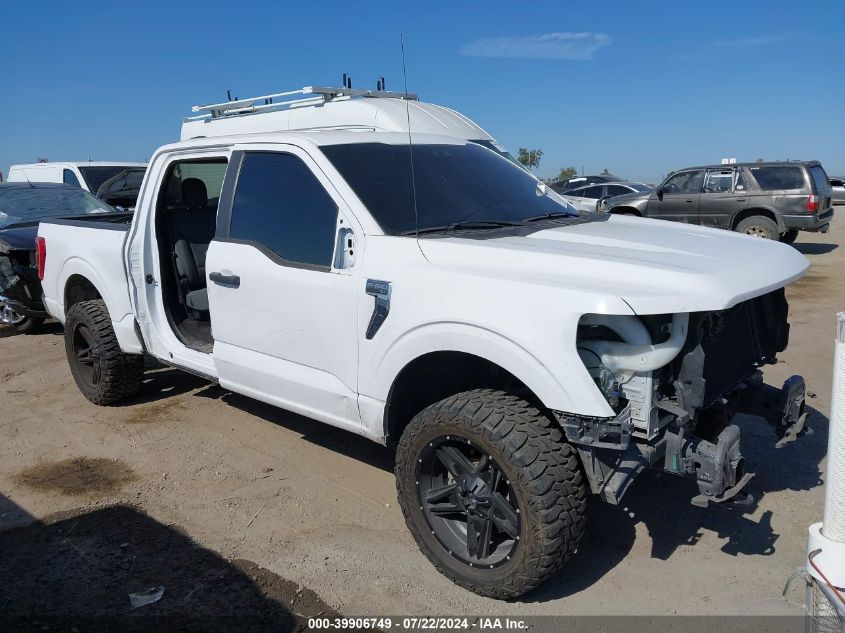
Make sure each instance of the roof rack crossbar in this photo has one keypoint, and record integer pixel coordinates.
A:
(312, 95)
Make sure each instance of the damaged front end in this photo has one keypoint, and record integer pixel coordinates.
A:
(676, 382)
(20, 288)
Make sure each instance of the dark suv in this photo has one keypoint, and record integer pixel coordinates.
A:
(771, 200)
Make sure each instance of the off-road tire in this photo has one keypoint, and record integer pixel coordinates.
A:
(29, 325)
(759, 226)
(120, 374)
(543, 472)
(789, 237)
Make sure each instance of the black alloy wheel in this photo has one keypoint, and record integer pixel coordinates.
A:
(86, 355)
(468, 502)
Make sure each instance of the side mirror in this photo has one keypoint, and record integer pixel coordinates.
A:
(659, 192)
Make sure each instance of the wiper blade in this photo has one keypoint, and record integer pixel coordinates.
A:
(463, 226)
(549, 216)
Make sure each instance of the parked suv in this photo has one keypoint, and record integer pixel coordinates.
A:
(771, 200)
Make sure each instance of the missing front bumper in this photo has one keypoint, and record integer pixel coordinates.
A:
(613, 457)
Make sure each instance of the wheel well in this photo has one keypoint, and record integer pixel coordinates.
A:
(625, 211)
(747, 213)
(438, 375)
(77, 289)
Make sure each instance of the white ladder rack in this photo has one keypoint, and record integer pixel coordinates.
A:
(307, 96)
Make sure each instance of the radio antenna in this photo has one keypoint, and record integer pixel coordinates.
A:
(410, 143)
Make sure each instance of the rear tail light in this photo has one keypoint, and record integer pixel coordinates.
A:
(812, 203)
(40, 256)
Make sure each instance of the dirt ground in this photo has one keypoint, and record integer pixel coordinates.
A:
(184, 486)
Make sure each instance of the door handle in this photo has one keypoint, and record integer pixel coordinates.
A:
(225, 280)
(690, 201)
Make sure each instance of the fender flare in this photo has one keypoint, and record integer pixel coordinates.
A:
(578, 394)
(122, 316)
(750, 211)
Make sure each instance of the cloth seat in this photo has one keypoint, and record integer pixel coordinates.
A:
(192, 228)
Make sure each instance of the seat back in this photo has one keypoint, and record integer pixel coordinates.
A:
(191, 228)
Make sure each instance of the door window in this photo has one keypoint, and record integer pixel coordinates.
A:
(617, 190)
(719, 181)
(210, 171)
(593, 192)
(685, 182)
(69, 178)
(778, 177)
(280, 205)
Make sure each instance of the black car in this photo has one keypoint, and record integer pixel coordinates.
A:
(22, 206)
(771, 200)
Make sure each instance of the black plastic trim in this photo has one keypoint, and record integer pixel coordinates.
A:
(273, 255)
(227, 195)
(381, 291)
(110, 222)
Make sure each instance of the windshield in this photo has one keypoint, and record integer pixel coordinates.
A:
(501, 152)
(639, 187)
(29, 205)
(96, 176)
(454, 184)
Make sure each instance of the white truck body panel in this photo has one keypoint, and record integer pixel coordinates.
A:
(293, 339)
(102, 265)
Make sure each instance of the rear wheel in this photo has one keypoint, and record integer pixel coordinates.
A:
(103, 373)
(28, 325)
(759, 226)
(789, 237)
(491, 492)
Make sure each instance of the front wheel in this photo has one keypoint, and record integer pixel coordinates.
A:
(103, 373)
(759, 226)
(491, 492)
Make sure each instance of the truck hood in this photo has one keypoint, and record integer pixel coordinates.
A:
(655, 266)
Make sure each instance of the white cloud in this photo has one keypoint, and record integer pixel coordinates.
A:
(754, 41)
(545, 46)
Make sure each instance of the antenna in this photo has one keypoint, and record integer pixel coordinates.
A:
(410, 143)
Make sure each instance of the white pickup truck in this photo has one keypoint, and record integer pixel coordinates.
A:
(437, 297)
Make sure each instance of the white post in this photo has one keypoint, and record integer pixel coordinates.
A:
(829, 536)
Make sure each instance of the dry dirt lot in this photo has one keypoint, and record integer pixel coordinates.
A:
(186, 485)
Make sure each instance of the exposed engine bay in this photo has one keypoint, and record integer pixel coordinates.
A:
(20, 290)
(675, 383)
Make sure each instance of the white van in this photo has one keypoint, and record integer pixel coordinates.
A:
(88, 175)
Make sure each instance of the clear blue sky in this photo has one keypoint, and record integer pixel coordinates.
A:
(640, 88)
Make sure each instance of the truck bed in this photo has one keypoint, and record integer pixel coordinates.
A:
(91, 248)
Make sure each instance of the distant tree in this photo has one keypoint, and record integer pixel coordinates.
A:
(567, 172)
(760, 160)
(530, 157)
(605, 172)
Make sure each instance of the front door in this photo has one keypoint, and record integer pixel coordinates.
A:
(282, 302)
(724, 196)
(677, 198)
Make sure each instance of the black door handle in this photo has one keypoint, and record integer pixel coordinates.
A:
(225, 280)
